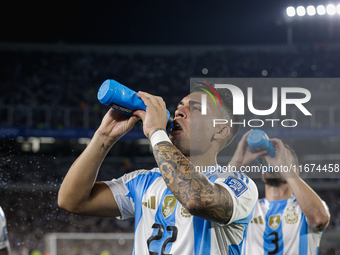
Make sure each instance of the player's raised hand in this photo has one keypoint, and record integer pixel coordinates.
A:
(155, 116)
(243, 156)
(281, 158)
(115, 124)
(281, 162)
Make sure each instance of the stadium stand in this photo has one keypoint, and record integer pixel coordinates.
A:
(55, 88)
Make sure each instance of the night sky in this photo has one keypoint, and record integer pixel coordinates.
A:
(160, 22)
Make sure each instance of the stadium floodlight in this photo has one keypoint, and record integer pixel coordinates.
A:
(331, 10)
(290, 11)
(321, 10)
(301, 11)
(311, 10)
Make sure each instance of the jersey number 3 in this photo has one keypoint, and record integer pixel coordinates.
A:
(159, 236)
(274, 241)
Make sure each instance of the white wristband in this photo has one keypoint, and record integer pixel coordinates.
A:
(159, 136)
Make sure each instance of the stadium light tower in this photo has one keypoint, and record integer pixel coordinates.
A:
(303, 12)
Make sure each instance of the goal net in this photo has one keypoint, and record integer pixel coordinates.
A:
(89, 243)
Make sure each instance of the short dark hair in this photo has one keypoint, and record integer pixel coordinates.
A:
(227, 103)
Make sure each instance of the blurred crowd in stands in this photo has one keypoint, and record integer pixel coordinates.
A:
(42, 80)
(71, 80)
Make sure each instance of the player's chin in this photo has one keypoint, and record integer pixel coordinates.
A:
(177, 141)
(174, 138)
(175, 135)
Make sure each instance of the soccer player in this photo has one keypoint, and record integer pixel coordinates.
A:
(291, 217)
(4, 243)
(177, 210)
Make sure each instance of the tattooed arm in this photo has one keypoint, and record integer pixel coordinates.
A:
(79, 192)
(193, 190)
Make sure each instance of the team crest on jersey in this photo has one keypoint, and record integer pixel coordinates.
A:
(274, 221)
(291, 217)
(185, 213)
(168, 206)
(236, 185)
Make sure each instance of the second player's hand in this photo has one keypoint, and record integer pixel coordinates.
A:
(280, 160)
(155, 117)
(280, 154)
(243, 156)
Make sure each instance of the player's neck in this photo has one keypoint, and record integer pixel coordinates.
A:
(203, 161)
(281, 192)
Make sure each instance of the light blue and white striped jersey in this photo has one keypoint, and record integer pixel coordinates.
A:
(164, 226)
(4, 243)
(280, 227)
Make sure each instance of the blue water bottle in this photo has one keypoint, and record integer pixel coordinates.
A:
(259, 141)
(123, 99)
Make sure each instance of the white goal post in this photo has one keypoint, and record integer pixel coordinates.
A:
(89, 243)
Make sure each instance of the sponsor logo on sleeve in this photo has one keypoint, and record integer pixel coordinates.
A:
(236, 185)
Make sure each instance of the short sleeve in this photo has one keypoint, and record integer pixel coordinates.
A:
(243, 192)
(124, 192)
(4, 243)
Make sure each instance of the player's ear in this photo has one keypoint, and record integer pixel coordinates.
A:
(221, 132)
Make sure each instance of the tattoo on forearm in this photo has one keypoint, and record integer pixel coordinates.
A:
(211, 201)
(104, 146)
